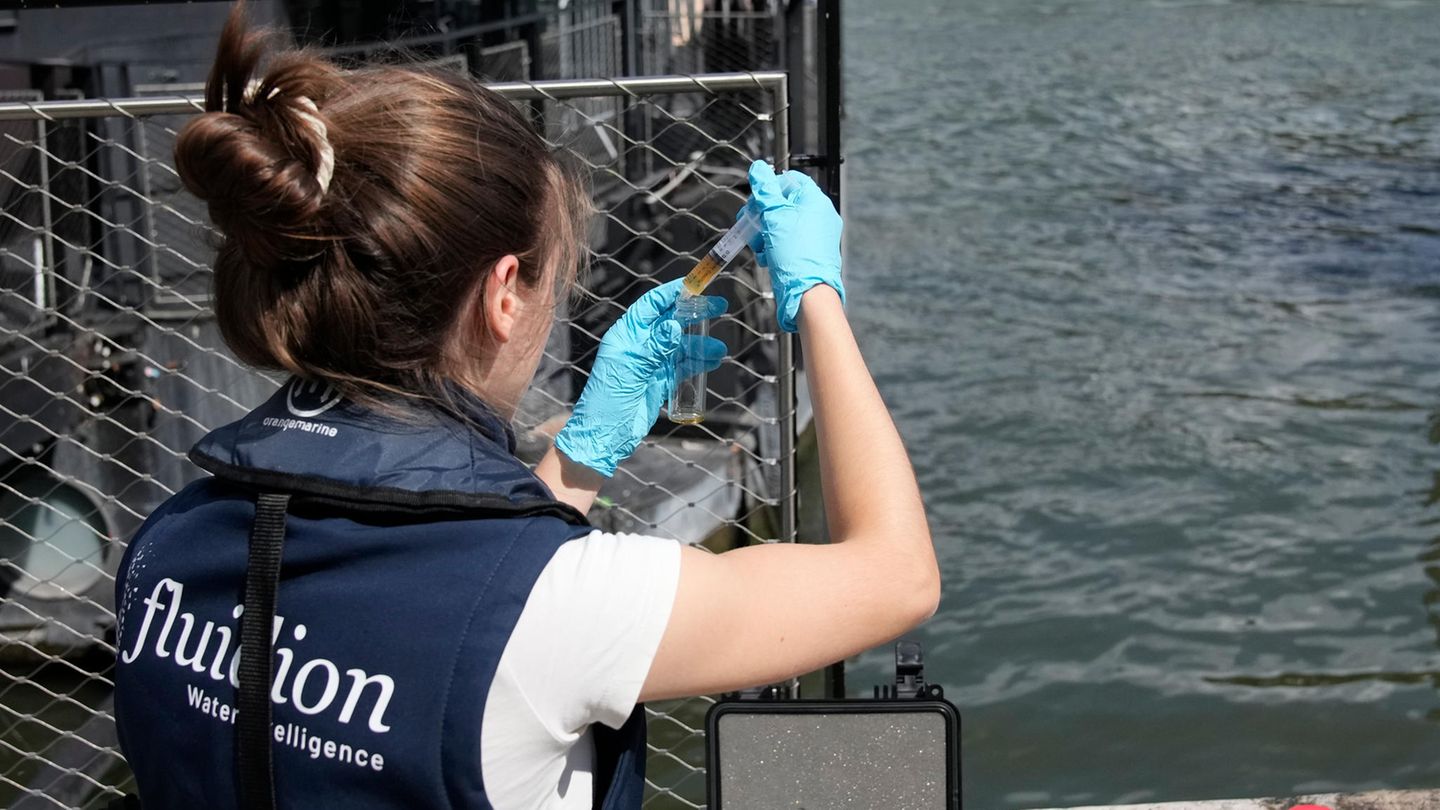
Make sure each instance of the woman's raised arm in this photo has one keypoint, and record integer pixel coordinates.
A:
(764, 613)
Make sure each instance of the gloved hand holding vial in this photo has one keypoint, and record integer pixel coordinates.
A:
(687, 404)
(794, 230)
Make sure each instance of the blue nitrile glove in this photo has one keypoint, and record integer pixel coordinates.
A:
(633, 375)
(799, 238)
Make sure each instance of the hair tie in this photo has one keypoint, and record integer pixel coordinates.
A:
(310, 117)
(253, 87)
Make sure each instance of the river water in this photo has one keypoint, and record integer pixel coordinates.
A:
(1153, 290)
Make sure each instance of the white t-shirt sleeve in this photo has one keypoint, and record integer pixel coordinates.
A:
(590, 629)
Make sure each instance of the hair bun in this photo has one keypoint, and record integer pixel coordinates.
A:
(250, 181)
(261, 156)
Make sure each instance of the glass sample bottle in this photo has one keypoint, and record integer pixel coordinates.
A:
(687, 403)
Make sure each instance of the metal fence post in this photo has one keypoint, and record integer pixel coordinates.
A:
(789, 486)
(46, 289)
(832, 104)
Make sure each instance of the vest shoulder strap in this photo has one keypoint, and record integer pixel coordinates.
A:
(255, 759)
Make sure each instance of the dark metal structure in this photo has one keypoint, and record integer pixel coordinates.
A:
(109, 366)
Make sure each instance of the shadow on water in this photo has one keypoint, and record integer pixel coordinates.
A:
(1429, 560)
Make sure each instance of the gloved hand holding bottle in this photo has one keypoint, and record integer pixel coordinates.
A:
(799, 239)
(633, 375)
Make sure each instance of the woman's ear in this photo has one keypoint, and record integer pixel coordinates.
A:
(500, 301)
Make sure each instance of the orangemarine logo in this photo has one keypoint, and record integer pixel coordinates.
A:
(307, 398)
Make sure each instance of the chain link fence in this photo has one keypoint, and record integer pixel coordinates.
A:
(685, 36)
(111, 367)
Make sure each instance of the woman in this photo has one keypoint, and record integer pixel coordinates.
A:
(445, 629)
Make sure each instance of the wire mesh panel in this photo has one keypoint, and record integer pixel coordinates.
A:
(111, 367)
(694, 36)
(588, 45)
(506, 62)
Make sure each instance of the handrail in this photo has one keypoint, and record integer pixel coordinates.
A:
(520, 91)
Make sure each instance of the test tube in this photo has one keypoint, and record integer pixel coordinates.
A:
(687, 403)
(726, 249)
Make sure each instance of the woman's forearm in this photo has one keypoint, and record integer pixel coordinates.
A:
(869, 486)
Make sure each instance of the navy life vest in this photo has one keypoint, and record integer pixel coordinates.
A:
(409, 550)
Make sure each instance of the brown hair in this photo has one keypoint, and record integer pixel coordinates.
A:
(362, 284)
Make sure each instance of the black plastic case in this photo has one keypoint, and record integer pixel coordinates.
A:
(891, 706)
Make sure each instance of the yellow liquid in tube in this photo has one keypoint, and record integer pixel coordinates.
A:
(739, 235)
(705, 272)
